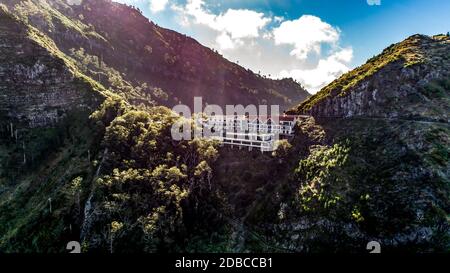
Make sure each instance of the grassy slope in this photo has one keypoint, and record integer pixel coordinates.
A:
(417, 50)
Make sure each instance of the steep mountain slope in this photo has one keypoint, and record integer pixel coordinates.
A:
(45, 104)
(173, 68)
(37, 85)
(79, 163)
(370, 164)
(373, 158)
(409, 80)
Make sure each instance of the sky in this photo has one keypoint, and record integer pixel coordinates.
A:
(312, 41)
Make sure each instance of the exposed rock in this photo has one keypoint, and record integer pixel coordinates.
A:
(403, 82)
(36, 88)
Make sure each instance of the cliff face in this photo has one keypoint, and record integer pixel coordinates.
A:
(37, 88)
(408, 80)
(374, 156)
(45, 103)
(123, 40)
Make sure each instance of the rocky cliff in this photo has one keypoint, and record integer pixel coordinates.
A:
(37, 87)
(408, 80)
(374, 157)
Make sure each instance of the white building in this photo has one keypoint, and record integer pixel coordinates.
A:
(248, 131)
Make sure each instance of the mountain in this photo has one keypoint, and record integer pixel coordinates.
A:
(116, 45)
(86, 153)
(374, 157)
(44, 99)
(39, 86)
(408, 80)
(65, 140)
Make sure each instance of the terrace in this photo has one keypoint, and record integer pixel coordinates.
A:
(249, 131)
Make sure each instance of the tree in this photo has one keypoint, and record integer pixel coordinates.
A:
(75, 191)
(115, 229)
(282, 150)
(154, 189)
(204, 172)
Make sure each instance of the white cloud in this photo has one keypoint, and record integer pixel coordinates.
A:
(242, 23)
(278, 19)
(231, 26)
(326, 71)
(307, 49)
(306, 35)
(158, 5)
(345, 55)
(225, 42)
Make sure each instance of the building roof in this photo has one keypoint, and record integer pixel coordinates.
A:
(264, 119)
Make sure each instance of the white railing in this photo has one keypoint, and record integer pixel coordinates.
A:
(242, 132)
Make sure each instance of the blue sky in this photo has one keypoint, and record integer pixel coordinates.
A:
(313, 41)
